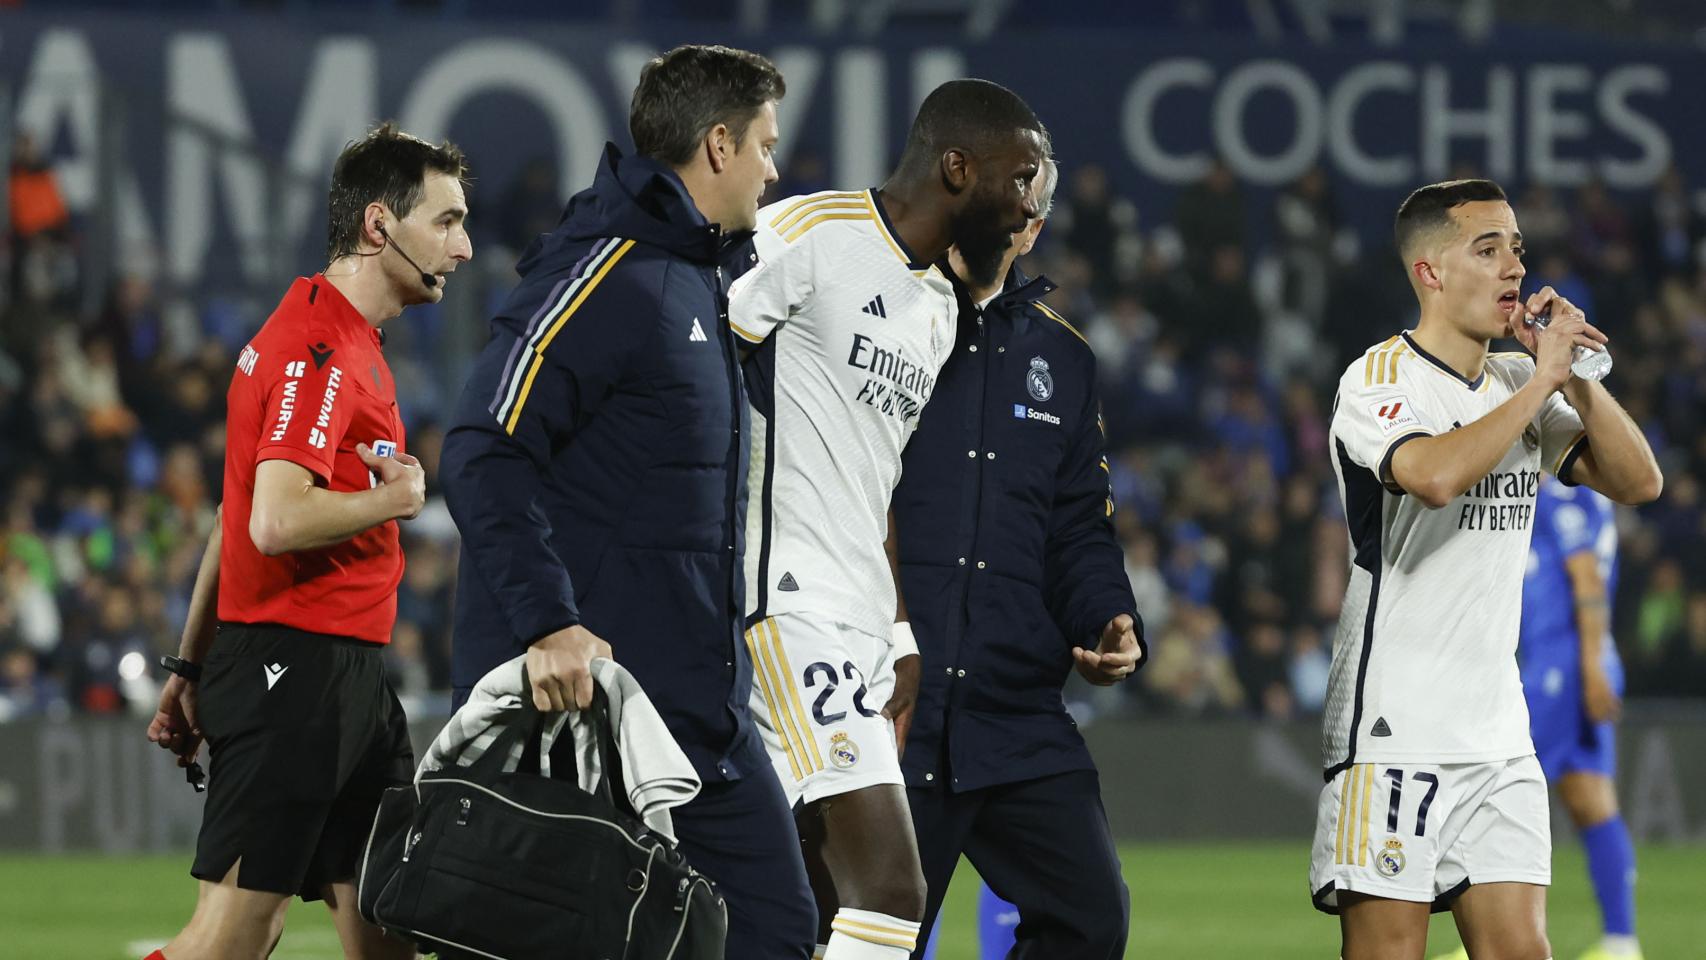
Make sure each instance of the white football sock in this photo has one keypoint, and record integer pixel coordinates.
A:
(866, 935)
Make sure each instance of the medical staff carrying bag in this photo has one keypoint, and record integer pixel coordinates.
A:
(473, 861)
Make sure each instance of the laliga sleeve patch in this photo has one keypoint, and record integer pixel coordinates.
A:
(1393, 414)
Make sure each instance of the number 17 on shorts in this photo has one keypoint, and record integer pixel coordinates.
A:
(1426, 832)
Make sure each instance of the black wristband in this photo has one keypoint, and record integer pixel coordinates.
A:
(187, 669)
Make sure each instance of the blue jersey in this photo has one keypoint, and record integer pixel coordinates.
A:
(1567, 521)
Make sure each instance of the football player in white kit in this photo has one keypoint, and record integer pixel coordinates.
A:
(850, 323)
(1434, 797)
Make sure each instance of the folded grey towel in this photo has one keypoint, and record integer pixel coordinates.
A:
(658, 775)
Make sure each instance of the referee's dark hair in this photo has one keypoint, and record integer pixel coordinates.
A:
(389, 166)
(1427, 210)
(971, 115)
(689, 90)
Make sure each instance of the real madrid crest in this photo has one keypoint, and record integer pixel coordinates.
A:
(1038, 381)
(843, 752)
(1390, 861)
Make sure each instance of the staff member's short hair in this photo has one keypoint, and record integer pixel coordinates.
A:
(689, 90)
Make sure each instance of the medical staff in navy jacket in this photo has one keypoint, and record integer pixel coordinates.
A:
(1012, 575)
(597, 465)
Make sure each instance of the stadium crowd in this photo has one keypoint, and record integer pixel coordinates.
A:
(1217, 355)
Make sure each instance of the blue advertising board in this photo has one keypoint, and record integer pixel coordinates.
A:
(1154, 110)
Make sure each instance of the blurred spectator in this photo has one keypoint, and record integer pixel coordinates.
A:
(531, 206)
(1599, 223)
(1191, 669)
(131, 323)
(1306, 227)
(1097, 226)
(1555, 270)
(1210, 218)
(1311, 662)
(36, 205)
(31, 613)
(24, 690)
(1545, 223)
(1250, 595)
(1147, 584)
(1671, 229)
(1222, 314)
(42, 269)
(1264, 671)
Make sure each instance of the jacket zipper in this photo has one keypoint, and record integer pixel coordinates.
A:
(732, 368)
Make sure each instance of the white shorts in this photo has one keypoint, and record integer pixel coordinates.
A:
(817, 689)
(1426, 832)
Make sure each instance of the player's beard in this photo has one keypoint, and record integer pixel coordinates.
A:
(982, 238)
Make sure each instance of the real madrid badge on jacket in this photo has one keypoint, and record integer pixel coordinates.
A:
(1038, 381)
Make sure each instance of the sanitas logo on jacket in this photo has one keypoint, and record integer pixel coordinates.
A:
(1022, 412)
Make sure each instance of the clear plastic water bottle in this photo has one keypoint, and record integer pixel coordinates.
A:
(1588, 363)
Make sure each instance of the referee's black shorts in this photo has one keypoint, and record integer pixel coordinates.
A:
(304, 734)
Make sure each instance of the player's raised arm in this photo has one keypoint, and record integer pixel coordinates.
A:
(1616, 459)
(1436, 469)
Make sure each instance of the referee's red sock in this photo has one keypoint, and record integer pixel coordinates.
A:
(156, 955)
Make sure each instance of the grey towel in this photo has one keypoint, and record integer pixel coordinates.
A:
(658, 775)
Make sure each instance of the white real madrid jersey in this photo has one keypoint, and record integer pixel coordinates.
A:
(1424, 659)
(851, 333)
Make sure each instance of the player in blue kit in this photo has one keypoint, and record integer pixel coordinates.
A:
(1573, 681)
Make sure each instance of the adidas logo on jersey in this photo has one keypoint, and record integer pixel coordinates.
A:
(875, 307)
(698, 333)
(788, 584)
(1380, 728)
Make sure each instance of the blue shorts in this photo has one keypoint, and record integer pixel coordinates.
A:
(1565, 739)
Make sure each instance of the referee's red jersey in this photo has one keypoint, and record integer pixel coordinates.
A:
(310, 386)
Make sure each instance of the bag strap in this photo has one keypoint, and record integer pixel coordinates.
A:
(609, 761)
(525, 730)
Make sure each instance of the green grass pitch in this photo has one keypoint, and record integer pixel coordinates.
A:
(1203, 901)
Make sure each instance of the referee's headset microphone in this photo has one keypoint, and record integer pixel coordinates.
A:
(426, 278)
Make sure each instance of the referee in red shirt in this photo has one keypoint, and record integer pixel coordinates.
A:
(288, 689)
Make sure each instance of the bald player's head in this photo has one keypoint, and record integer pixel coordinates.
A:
(1424, 219)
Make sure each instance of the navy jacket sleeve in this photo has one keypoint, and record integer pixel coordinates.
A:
(556, 353)
(1084, 579)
